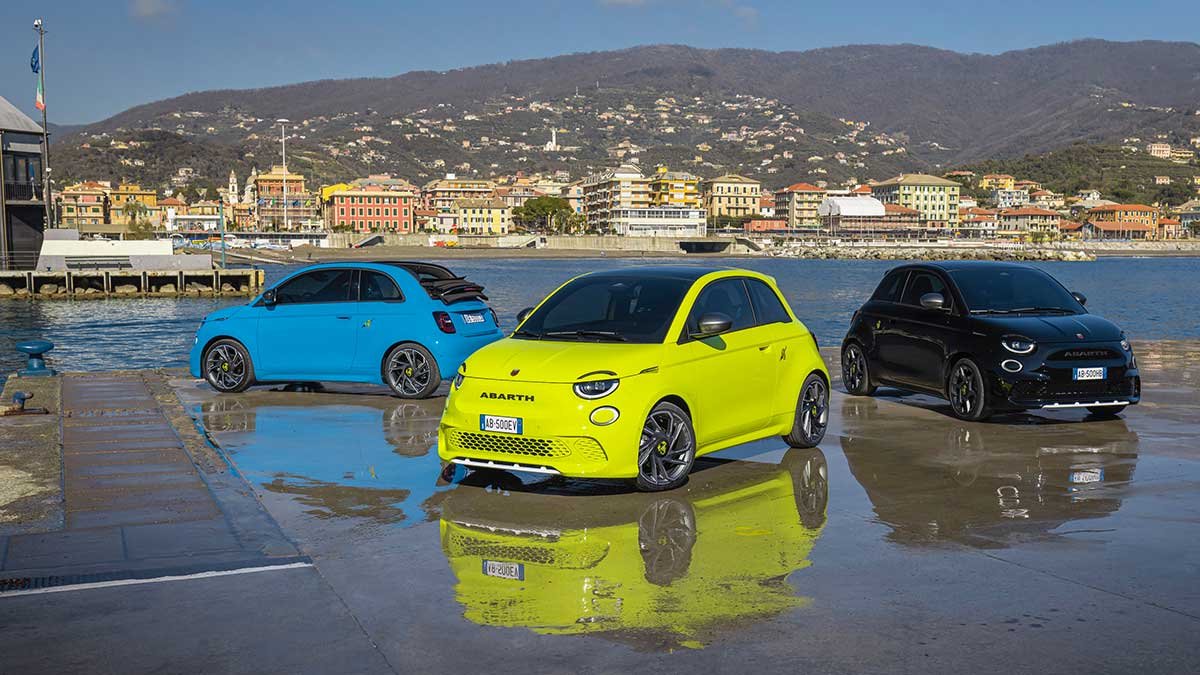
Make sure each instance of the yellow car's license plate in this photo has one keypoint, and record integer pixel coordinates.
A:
(504, 425)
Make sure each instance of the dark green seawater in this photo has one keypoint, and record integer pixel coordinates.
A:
(1151, 298)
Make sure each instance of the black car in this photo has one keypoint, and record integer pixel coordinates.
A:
(989, 337)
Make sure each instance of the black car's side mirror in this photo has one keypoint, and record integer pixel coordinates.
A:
(521, 315)
(933, 301)
(1079, 297)
(269, 298)
(713, 323)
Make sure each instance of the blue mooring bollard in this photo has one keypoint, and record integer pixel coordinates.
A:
(36, 351)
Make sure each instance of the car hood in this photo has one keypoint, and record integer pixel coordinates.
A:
(554, 361)
(224, 313)
(1051, 328)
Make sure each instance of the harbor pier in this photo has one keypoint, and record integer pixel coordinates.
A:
(74, 284)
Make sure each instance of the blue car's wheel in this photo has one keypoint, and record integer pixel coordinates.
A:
(410, 370)
(227, 367)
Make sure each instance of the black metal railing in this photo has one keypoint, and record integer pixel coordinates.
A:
(23, 192)
(18, 261)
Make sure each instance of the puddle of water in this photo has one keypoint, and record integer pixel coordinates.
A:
(374, 460)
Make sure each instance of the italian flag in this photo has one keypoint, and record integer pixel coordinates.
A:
(40, 103)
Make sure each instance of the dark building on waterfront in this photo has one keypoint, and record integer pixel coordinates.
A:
(22, 202)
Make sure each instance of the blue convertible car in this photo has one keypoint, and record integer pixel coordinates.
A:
(403, 324)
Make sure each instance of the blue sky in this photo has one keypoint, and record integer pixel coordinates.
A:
(105, 56)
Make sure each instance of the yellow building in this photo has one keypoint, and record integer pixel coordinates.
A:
(731, 196)
(936, 198)
(997, 181)
(131, 192)
(482, 216)
(674, 188)
(798, 204)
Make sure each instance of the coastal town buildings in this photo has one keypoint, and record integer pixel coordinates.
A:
(1160, 150)
(1007, 199)
(441, 194)
(84, 207)
(798, 204)
(977, 223)
(996, 181)
(674, 188)
(481, 217)
(1026, 221)
(284, 202)
(1122, 221)
(616, 190)
(936, 198)
(731, 196)
(868, 217)
(370, 208)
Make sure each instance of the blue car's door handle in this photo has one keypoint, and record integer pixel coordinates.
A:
(344, 318)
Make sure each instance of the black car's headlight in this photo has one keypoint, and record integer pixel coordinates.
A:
(1125, 344)
(1018, 345)
(595, 388)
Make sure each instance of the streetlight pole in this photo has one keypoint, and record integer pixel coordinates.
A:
(283, 144)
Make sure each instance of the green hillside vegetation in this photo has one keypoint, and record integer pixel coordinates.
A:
(1120, 175)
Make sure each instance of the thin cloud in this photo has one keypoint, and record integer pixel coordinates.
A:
(152, 9)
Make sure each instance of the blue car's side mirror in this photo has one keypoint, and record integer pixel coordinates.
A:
(269, 298)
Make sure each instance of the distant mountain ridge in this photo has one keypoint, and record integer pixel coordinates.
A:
(948, 108)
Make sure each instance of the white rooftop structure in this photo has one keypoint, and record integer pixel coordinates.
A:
(849, 207)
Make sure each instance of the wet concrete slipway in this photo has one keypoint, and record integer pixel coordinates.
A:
(909, 542)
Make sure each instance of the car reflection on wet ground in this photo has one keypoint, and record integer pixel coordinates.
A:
(909, 541)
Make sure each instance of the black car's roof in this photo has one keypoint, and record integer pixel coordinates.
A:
(952, 265)
(685, 272)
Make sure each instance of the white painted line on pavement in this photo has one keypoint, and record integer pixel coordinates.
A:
(154, 580)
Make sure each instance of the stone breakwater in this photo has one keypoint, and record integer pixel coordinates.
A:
(929, 253)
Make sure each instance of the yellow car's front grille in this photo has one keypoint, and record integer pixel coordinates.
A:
(561, 556)
(508, 445)
(590, 450)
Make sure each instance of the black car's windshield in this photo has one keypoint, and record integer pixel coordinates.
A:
(1013, 290)
(608, 309)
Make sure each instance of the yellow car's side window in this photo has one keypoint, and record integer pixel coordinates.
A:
(724, 296)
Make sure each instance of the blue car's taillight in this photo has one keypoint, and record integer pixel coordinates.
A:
(444, 322)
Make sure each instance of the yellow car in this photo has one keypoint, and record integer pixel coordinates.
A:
(659, 571)
(633, 373)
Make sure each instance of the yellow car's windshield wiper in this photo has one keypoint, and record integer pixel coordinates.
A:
(581, 334)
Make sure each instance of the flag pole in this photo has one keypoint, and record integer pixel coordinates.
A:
(46, 197)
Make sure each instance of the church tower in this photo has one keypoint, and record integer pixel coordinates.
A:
(233, 190)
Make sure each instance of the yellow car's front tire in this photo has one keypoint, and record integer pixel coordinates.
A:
(667, 449)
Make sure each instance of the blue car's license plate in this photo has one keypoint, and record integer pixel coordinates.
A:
(504, 425)
(472, 317)
(1098, 373)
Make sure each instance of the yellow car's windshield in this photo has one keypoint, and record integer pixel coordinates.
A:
(608, 308)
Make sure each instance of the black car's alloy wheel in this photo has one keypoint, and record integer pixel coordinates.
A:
(812, 414)
(856, 376)
(410, 370)
(667, 449)
(966, 391)
(227, 367)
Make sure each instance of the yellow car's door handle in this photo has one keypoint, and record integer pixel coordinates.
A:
(763, 348)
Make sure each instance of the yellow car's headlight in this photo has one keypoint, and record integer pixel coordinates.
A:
(595, 389)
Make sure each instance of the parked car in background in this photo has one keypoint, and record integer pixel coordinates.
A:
(402, 324)
(633, 373)
(989, 337)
